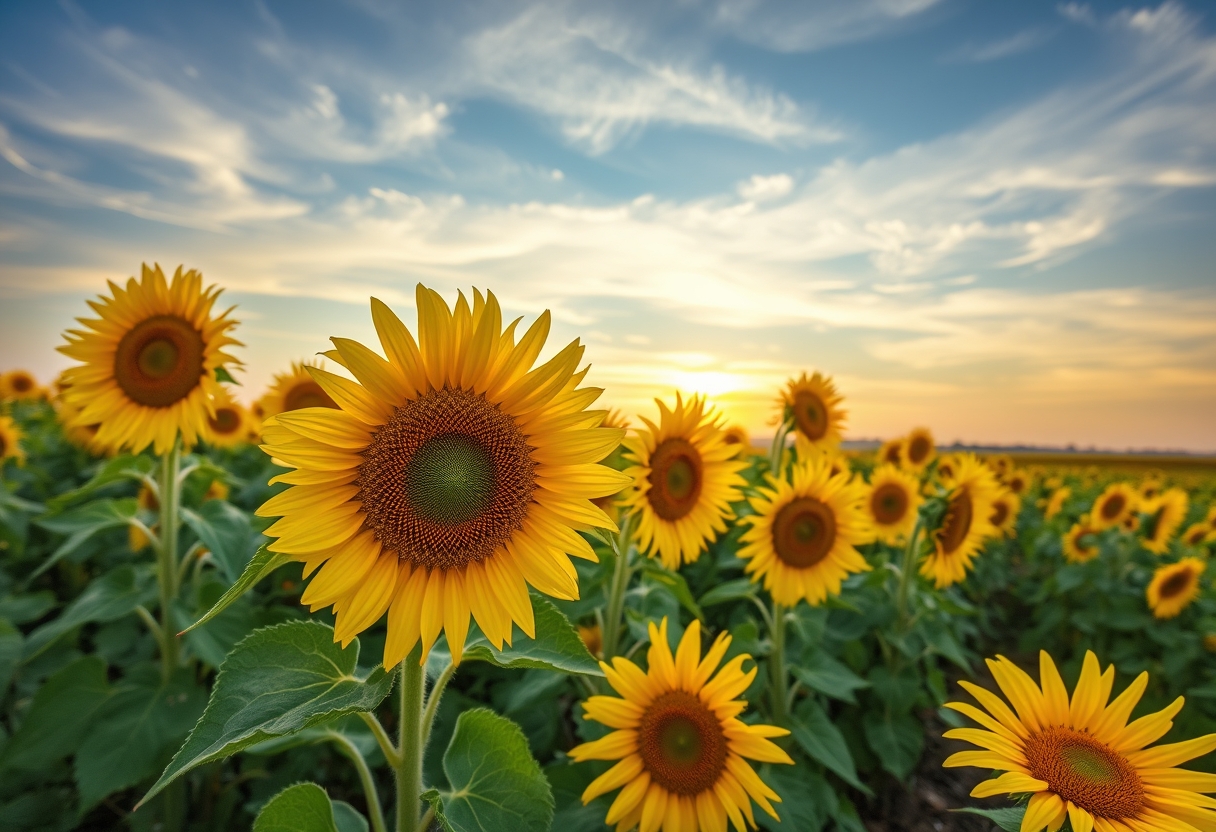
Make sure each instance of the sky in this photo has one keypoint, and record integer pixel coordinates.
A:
(994, 220)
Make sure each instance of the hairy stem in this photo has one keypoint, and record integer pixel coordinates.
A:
(167, 566)
(778, 676)
(409, 743)
(370, 795)
(614, 623)
(432, 702)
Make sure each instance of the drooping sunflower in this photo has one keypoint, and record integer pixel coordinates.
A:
(966, 524)
(1056, 503)
(892, 502)
(681, 747)
(19, 385)
(1005, 510)
(814, 405)
(228, 426)
(918, 449)
(804, 533)
(1198, 534)
(450, 477)
(1079, 542)
(1163, 516)
(10, 441)
(1113, 505)
(1174, 587)
(295, 389)
(1017, 481)
(149, 361)
(685, 477)
(1079, 759)
(891, 452)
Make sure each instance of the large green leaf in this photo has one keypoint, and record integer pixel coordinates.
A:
(897, 740)
(226, 531)
(82, 523)
(304, 807)
(110, 597)
(10, 654)
(557, 645)
(823, 741)
(57, 719)
(279, 680)
(652, 570)
(735, 590)
(260, 565)
(821, 672)
(496, 784)
(807, 800)
(125, 467)
(1009, 819)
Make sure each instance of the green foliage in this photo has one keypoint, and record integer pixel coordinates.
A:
(305, 807)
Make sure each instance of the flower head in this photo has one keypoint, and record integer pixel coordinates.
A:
(1174, 587)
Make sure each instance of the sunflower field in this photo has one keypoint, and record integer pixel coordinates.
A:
(426, 584)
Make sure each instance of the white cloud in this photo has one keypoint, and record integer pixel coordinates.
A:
(1015, 44)
(764, 188)
(805, 27)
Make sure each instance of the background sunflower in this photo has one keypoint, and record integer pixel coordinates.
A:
(966, 523)
(892, 502)
(813, 405)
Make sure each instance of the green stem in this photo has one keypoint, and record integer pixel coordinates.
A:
(432, 702)
(622, 571)
(777, 450)
(370, 795)
(778, 677)
(382, 739)
(167, 574)
(911, 554)
(409, 744)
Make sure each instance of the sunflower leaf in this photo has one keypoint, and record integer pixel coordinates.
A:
(557, 645)
(279, 680)
(120, 468)
(260, 565)
(222, 374)
(1009, 819)
(108, 598)
(81, 524)
(674, 581)
(304, 807)
(823, 741)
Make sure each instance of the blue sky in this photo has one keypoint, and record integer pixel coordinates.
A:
(992, 219)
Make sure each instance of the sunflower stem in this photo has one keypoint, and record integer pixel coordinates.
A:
(167, 566)
(622, 571)
(777, 451)
(409, 743)
(370, 795)
(432, 702)
(905, 576)
(778, 677)
(382, 738)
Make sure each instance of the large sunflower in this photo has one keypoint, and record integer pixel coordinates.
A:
(18, 384)
(10, 441)
(1005, 510)
(814, 406)
(450, 477)
(1174, 587)
(1079, 542)
(892, 502)
(967, 522)
(682, 749)
(918, 449)
(1056, 502)
(295, 389)
(149, 362)
(1164, 514)
(685, 477)
(804, 533)
(229, 425)
(1113, 505)
(1079, 758)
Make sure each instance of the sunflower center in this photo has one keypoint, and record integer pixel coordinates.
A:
(675, 478)
(307, 394)
(804, 532)
(810, 415)
(945, 470)
(681, 743)
(447, 480)
(1090, 773)
(1175, 584)
(159, 361)
(999, 513)
(23, 384)
(1197, 536)
(3, 446)
(918, 450)
(1113, 506)
(889, 503)
(226, 421)
(959, 514)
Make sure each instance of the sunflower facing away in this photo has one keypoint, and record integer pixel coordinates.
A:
(892, 501)
(149, 362)
(685, 477)
(10, 441)
(814, 405)
(966, 524)
(18, 385)
(682, 749)
(295, 389)
(229, 424)
(1164, 514)
(1005, 510)
(1174, 587)
(1056, 503)
(918, 449)
(1080, 759)
(1080, 543)
(803, 536)
(1113, 505)
(449, 478)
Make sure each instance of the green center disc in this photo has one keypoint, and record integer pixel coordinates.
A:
(450, 479)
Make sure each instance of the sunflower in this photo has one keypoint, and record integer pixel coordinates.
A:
(918, 449)
(814, 406)
(228, 426)
(1174, 587)
(1198, 534)
(891, 452)
(1209, 642)
(149, 362)
(681, 747)
(1017, 481)
(736, 436)
(892, 502)
(1113, 505)
(1056, 504)
(10, 441)
(947, 466)
(592, 638)
(1080, 759)
(967, 522)
(1164, 514)
(1132, 524)
(1079, 545)
(804, 533)
(449, 478)
(1151, 488)
(295, 389)
(1001, 464)
(137, 539)
(218, 490)
(18, 385)
(1211, 517)
(1005, 510)
(685, 478)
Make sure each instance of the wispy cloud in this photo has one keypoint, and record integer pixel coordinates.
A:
(806, 27)
(1015, 44)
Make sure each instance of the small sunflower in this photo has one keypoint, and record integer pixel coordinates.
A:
(1151, 488)
(1005, 510)
(1056, 504)
(1174, 587)
(295, 389)
(149, 362)
(1001, 464)
(228, 426)
(1017, 481)
(814, 405)
(891, 452)
(681, 747)
(19, 385)
(1211, 517)
(966, 524)
(1080, 759)
(1209, 642)
(918, 449)
(736, 436)
(804, 533)
(1198, 534)
(685, 478)
(1079, 542)
(10, 441)
(947, 465)
(1132, 524)
(218, 490)
(592, 638)
(892, 502)
(451, 477)
(148, 503)
(1163, 516)
(1113, 505)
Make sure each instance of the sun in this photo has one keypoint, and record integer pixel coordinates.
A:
(1174, 587)
(149, 362)
(680, 749)
(449, 478)
(1114, 505)
(967, 522)
(685, 476)
(918, 449)
(892, 502)
(814, 405)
